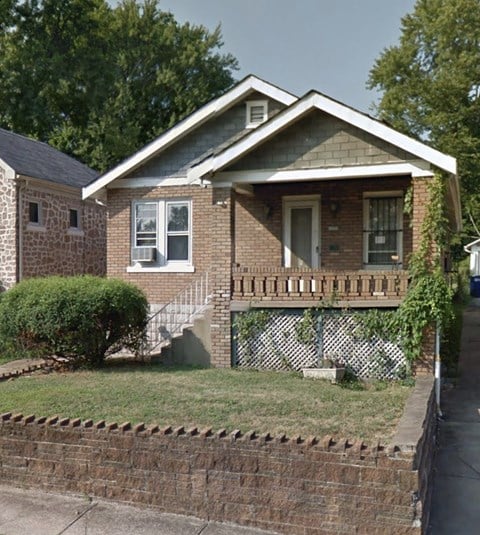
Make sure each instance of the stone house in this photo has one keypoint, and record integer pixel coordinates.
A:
(264, 201)
(46, 227)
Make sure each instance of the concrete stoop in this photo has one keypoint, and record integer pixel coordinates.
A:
(191, 346)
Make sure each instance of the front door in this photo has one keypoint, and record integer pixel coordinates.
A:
(301, 232)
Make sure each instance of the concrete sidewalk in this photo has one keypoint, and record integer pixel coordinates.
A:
(29, 512)
(456, 489)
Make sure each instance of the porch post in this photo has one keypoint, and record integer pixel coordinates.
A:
(222, 256)
(421, 198)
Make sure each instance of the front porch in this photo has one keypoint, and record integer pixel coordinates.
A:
(300, 287)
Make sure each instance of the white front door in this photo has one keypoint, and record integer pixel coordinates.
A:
(301, 231)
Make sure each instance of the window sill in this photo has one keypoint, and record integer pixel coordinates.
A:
(36, 228)
(75, 232)
(170, 268)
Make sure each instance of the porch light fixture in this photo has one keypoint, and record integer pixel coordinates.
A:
(223, 204)
(334, 207)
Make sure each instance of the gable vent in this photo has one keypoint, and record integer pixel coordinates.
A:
(257, 113)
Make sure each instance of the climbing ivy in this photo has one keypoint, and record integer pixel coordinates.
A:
(429, 298)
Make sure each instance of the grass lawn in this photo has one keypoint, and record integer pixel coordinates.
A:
(219, 398)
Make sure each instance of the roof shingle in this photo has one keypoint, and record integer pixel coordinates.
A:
(38, 160)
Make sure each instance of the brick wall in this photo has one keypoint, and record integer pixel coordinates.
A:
(292, 486)
(52, 248)
(341, 235)
(159, 287)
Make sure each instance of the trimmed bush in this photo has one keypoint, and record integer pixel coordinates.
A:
(82, 319)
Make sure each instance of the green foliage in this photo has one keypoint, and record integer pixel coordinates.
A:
(98, 82)
(79, 318)
(428, 302)
(306, 328)
(249, 323)
(430, 86)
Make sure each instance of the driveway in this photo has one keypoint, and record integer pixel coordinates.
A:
(456, 489)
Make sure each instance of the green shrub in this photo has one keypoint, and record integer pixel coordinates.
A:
(81, 318)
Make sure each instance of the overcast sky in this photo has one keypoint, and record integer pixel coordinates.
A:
(327, 45)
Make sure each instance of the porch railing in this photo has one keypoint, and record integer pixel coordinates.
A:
(292, 283)
(164, 324)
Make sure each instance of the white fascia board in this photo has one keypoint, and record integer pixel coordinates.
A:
(340, 111)
(252, 83)
(9, 171)
(152, 182)
(378, 129)
(331, 173)
(262, 132)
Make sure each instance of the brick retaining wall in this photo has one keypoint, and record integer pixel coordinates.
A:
(290, 485)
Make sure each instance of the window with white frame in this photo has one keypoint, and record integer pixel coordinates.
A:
(257, 112)
(162, 233)
(383, 229)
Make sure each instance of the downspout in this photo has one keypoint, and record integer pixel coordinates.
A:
(438, 369)
(21, 188)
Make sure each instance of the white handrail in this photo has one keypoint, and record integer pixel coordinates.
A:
(180, 311)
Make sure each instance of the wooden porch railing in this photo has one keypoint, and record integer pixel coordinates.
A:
(292, 283)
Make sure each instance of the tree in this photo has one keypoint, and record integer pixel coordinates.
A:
(431, 85)
(99, 83)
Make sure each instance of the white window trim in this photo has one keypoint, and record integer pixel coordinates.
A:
(301, 201)
(377, 195)
(169, 266)
(252, 104)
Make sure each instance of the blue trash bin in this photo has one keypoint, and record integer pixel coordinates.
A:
(475, 286)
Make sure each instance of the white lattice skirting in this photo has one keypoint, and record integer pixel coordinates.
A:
(277, 347)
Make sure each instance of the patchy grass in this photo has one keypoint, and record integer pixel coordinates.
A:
(264, 401)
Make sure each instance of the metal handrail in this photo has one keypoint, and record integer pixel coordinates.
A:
(180, 311)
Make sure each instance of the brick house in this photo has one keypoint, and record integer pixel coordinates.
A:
(46, 227)
(283, 201)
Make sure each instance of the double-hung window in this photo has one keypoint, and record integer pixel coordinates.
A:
(162, 234)
(383, 232)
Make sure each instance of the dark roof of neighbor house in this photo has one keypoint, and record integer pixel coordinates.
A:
(36, 159)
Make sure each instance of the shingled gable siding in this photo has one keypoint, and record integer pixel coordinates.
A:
(8, 243)
(223, 130)
(55, 250)
(320, 140)
(341, 235)
(160, 288)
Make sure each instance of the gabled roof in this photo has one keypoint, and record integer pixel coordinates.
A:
(28, 157)
(311, 101)
(215, 107)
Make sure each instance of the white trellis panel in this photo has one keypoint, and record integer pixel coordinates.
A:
(367, 358)
(276, 347)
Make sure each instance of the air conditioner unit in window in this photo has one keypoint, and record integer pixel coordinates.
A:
(144, 254)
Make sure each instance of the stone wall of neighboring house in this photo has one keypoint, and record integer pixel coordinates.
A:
(159, 287)
(51, 247)
(341, 234)
(8, 241)
(213, 135)
(290, 485)
(317, 141)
